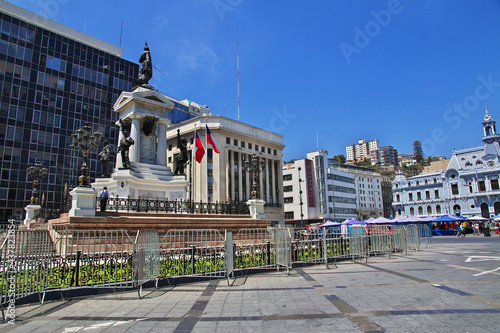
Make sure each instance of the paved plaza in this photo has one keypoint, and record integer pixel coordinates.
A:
(452, 286)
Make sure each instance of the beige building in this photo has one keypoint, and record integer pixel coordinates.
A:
(224, 177)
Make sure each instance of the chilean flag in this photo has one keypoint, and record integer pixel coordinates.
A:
(199, 150)
(211, 140)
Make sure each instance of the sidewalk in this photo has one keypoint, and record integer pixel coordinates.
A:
(452, 286)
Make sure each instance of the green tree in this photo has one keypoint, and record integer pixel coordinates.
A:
(340, 158)
(418, 153)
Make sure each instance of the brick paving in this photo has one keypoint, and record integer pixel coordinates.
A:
(451, 286)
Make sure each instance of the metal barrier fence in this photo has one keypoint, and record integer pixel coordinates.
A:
(253, 248)
(193, 252)
(424, 234)
(412, 239)
(308, 245)
(33, 261)
(147, 259)
(282, 238)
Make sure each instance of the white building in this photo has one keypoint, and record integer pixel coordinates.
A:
(224, 177)
(368, 182)
(361, 150)
(468, 186)
(325, 193)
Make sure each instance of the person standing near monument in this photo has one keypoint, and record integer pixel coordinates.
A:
(104, 195)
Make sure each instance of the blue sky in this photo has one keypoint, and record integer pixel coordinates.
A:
(321, 73)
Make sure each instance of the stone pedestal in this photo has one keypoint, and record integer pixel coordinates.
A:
(84, 201)
(30, 213)
(256, 207)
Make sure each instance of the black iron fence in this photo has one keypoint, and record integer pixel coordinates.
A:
(117, 204)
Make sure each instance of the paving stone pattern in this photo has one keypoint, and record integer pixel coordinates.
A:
(451, 286)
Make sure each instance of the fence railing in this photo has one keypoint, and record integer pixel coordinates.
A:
(125, 204)
(47, 257)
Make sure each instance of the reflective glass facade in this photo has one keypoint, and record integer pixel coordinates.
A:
(51, 85)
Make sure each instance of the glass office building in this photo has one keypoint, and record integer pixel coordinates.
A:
(53, 80)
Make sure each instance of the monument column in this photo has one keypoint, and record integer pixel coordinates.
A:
(135, 133)
(119, 161)
(161, 148)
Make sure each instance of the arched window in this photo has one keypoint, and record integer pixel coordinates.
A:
(496, 205)
(457, 210)
(485, 210)
(412, 211)
(429, 210)
(438, 209)
(420, 210)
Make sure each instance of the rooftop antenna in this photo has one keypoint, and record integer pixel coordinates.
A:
(121, 33)
(238, 70)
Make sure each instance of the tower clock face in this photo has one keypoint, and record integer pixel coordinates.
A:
(490, 164)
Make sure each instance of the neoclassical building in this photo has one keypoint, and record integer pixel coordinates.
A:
(223, 176)
(468, 186)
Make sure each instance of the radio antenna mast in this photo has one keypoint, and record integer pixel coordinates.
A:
(238, 71)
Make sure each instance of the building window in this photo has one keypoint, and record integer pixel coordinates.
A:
(438, 209)
(429, 210)
(288, 200)
(494, 184)
(410, 196)
(242, 143)
(419, 196)
(288, 188)
(287, 177)
(275, 152)
(397, 197)
(481, 186)
(412, 211)
(454, 189)
(262, 149)
(427, 195)
(436, 193)
(420, 211)
(249, 146)
(228, 140)
(235, 142)
(256, 147)
(288, 215)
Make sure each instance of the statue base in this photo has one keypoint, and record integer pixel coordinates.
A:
(84, 201)
(256, 207)
(30, 213)
(144, 181)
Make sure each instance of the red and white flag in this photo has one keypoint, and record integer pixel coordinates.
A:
(211, 140)
(199, 150)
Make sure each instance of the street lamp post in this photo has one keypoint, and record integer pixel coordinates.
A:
(301, 203)
(255, 167)
(36, 173)
(86, 141)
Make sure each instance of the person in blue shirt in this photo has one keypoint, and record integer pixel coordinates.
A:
(104, 195)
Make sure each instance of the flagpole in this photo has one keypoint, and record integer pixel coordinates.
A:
(206, 168)
(193, 158)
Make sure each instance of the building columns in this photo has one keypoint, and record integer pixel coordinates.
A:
(161, 148)
(135, 133)
(119, 162)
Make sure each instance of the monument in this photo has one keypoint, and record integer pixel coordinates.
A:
(141, 169)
